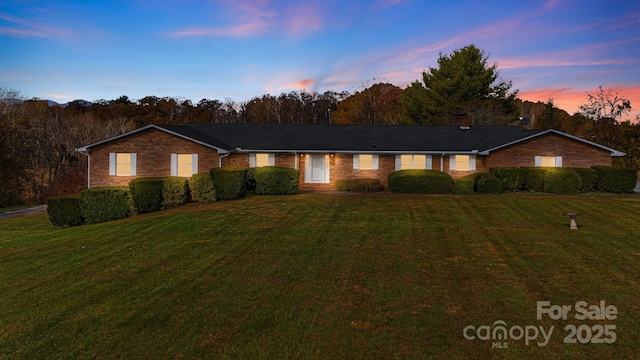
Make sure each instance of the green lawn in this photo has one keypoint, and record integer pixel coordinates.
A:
(326, 276)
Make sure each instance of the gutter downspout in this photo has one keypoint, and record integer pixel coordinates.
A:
(221, 157)
(88, 166)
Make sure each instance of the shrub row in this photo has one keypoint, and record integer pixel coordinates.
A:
(420, 181)
(359, 185)
(273, 180)
(567, 180)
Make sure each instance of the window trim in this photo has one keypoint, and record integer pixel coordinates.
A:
(558, 160)
(113, 164)
(374, 162)
(253, 159)
(175, 164)
(428, 161)
(452, 162)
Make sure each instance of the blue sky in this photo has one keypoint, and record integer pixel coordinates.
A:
(66, 50)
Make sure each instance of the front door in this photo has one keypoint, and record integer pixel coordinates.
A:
(316, 168)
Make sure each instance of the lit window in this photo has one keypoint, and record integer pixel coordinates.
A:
(184, 165)
(409, 161)
(262, 160)
(365, 162)
(462, 162)
(122, 164)
(549, 161)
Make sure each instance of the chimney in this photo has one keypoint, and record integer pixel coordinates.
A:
(463, 121)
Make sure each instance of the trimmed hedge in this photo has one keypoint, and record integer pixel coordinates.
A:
(359, 185)
(616, 179)
(463, 186)
(534, 178)
(175, 191)
(512, 178)
(202, 189)
(105, 204)
(562, 181)
(146, 194)
(64, 211)
(487, 183)
(274, 180)
(420, 181)
(589, 177)
(251, 178)
(229, 183)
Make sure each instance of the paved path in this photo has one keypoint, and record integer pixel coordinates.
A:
(24, 211)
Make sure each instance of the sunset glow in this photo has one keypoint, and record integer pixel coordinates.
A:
(67, 50)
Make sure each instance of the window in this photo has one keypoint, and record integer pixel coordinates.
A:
(184, 165)
(413, 161)
(262, 159)
(365, 161)
(549, 161)
(122, 164)
(462, 162)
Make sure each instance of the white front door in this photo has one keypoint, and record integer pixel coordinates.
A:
(316, 168)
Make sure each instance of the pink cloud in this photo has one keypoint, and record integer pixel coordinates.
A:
(27, 28)
(259, 17)
(570, 99)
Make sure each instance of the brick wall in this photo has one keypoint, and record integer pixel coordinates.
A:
(153, 148)
(574, 153)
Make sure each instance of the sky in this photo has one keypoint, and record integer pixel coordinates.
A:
(66, 50)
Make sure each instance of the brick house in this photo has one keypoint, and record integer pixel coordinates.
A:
(326, 153)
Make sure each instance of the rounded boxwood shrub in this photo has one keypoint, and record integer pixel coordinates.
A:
(229, 183)
(589, 177)
(102, 204)
(616, 179)
(274, 180)
(534, 178)
(202, 189)
(512, 178)
(359, 185)
(64, 211)
(487, 183)
(562, 181)
(420, 181)
(463, 186)
(147, 194)
(175, 191)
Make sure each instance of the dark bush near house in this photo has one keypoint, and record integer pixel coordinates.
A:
(175, 191)
(512, 178)
(463, 186)
(229, 183)
(487, 183)
(201, 187)
(534, 178)
(562, 181)
(589, 177)
(274, 180)
(420, 181)
(105, 204)
(64, 211)
(616, 179)
(359, 185)
(251, 178)
(147, 194)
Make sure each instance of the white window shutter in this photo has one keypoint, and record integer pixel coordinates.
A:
(374, 161)
(174, 164)
(134, 163)
(558, 161)
(194, 164)
(538, 160)
(429, 162)
(112, 164)
(398, 162)
(272, 159)
(452, 162)
(252, 160)
(472, 162)
(356, 161)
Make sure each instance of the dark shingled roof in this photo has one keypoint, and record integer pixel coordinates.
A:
(352, 138)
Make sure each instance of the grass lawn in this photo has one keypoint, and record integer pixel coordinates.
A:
(326, 276)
